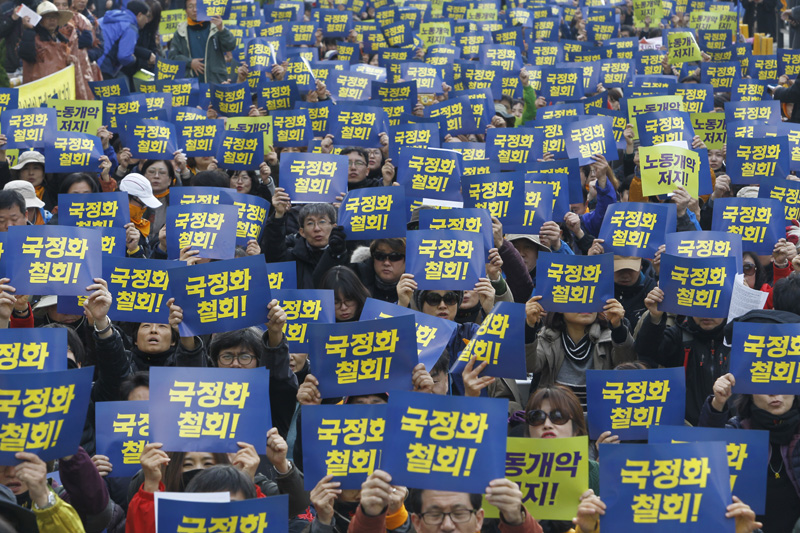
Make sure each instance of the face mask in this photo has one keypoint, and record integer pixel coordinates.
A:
(137, 214)
(188, 476)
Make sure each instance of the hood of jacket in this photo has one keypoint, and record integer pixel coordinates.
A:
(120, 16)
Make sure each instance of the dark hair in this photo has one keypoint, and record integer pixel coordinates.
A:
(223, 478)
(786, 294)
(137, 7)
(74, 342)
(564, 400)
(155, 17)
(133, 382)
(414, 500)
(9, 199)
(347, 285)
(317, 210)
(442, 365)
(78, 177)
(247, 337)
(170, 170)
(173, 472)
(357, 149)
(397, 244)
(761, 275)
(211, 178)
(631, 365)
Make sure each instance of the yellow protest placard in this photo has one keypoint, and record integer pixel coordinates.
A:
(81, 116)
(252, 124)
(552, 474)
(59, 85)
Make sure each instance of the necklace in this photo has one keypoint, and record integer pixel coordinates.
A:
(776, 472)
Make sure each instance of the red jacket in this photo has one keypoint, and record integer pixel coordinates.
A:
(142, 511)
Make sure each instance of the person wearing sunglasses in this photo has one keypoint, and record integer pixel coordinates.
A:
(756, 275)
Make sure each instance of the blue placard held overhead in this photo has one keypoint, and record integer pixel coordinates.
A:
(574, 283)
(72, 152)
(445, 259)
(759, 221)
(33, 349)
(265, 515)
(123, 430)
(637, 229)
(765, 357)
(209, 409)
(450, 443)
(697, 287)
(345, 441)
(210, 229)
(309, 178)
(374, 213)
(367, 357)
(628, 403)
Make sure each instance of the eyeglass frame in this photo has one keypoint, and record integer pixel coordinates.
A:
(471, 512)
(237, 357)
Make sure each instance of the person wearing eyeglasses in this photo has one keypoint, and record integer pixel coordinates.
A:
(358, 169)
(250, 348)
(435, 511)
(317, 246)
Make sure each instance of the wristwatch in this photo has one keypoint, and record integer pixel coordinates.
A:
(51, 501)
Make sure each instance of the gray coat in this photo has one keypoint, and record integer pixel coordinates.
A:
(218, 43)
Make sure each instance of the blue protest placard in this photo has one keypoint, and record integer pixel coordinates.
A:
(628, 403)
(433, 333)
(499, 342)
(697, 286)
(427, 77)
(705, 244)
(537, 209)
(637, 229)
(231, 100)
(216, 297)
(764, 358)
(664, 126)
(591, 136)
(43, 412)
(374, 213)
(304, 307)
(139, 287)
(150, 139)
(108, 88)
(344, 441)
(294, 128)
(240, 150)
(187, 114)
(561, 83)
(748, 452)
(659, 488)
(282, 275)
(751, 160)
(33, 349)
(430, 173)
(198, 138)
(476, 220)
(9, 99)
(53, 259)
(118, 108)
(252, 215)
(122, 431)
(767, 113)
(501, 194)
(366, 357)
(334, 23)
(104, 209)
(210, 229)
(349, 86)
(198, 195)
(445, 259)
(209, 409)
(169, 70)
(72, 152)
(450, 443)
(276, 95)
(574, 283)
(265, 515)
(514, 148)
(758, 220)
(354, 124)
(787, 192)
(208, 9)
(28, 128)
(457, 119)
(311, 178)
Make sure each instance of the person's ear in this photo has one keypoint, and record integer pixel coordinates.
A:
(479, 518)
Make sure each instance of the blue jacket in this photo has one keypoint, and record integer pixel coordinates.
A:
(120, 33)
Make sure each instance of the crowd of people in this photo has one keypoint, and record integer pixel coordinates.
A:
(107, 40)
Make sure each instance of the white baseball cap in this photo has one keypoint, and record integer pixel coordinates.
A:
(140, 187)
